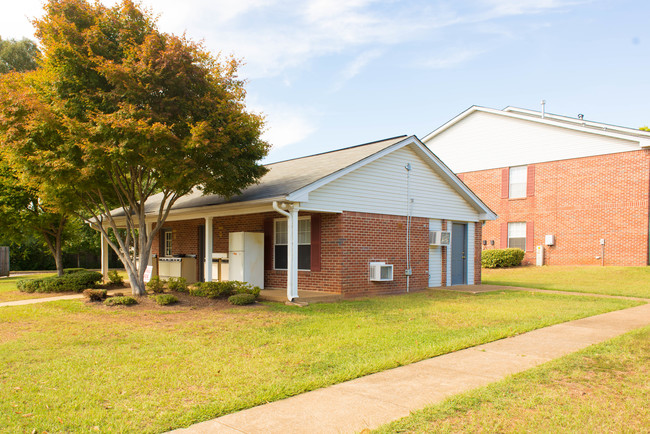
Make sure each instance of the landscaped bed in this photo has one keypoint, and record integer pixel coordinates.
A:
(627, 281)
(74, 366)
(603, 388)
(9, 292)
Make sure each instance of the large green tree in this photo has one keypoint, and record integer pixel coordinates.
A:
(120, 112)
(19, 56)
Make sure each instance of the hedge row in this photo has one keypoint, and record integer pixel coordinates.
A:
(501, 258)
(223, 289)
(74, 282)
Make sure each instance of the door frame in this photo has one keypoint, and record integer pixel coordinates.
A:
(464, 254)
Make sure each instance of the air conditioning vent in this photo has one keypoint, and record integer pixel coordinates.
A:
(381, 272)
(439, 238)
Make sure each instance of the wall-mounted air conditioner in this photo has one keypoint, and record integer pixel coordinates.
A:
(439, 238)
(381, 272)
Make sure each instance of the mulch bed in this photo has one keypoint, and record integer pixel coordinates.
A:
(185, 302)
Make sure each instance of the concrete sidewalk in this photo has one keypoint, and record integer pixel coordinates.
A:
(56, 298)
(376, 399)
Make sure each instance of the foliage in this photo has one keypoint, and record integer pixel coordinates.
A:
(497, 258)
(18, 56)
(156, 285)
(73, 270)
(120, 112)
(164, 299)
(223, 289)
(120, 301)
(178, 284)
(95, 294)
(75, 282)
(241, 299)
(30, 253)
(115, 277)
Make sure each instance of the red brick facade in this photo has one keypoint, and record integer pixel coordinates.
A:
(348, 243)
(580, 201)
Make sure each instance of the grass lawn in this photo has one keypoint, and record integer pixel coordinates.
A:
(603, 388)
(68, 367)
(630, 281)
(8, 291)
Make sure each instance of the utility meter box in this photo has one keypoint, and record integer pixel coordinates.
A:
(549, 240)
(539, 258)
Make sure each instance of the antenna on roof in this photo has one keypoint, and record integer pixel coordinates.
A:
(581, 116)
(543, 108)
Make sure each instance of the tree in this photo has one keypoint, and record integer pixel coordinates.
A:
(120, 112)
(19, 56)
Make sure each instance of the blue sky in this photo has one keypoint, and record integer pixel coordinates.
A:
(330, 74)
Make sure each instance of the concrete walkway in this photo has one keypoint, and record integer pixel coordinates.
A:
(376, 399)
(57, 298)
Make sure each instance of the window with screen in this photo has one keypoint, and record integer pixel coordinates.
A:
(517, 235)
(168, 243)
(517, 186)
(281, 244)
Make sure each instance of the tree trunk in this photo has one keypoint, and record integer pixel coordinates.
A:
(138, 287)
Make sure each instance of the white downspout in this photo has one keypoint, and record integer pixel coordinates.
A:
(292, 248)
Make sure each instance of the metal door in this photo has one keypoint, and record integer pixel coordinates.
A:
(459, 254)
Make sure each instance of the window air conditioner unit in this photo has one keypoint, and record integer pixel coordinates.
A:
(381, 272)
(439, 238)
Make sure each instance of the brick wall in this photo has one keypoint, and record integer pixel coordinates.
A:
(579, 201)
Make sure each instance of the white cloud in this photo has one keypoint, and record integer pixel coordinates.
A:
(451, 59)
(286, 125)
(356, 66)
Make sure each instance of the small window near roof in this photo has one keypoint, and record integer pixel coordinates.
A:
(517, 187)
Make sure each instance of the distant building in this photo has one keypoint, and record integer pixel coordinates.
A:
(563, 183)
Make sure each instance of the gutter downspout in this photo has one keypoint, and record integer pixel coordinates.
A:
(292, 251)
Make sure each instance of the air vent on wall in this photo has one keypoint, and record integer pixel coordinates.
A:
(381, 272)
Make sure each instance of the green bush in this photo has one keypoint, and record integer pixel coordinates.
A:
(115, 277)
(502, 258)
(156, 285)
(74, 282)
(164, 299)
(120, 301)
(73, 270)
(223, 289)
(177, 284)
(241, 299)
(95, 294)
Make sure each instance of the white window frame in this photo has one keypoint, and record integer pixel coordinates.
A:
(515, 229)
(168, 243)
(275, 243)
(517, 182)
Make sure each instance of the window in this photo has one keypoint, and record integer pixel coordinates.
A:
(281, 244)
(168, 243)
(517, 235)
(517, 186)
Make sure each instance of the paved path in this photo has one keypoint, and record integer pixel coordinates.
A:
(57, 298)
(376, 399)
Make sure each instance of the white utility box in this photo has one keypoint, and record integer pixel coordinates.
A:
(549, 240)
(539, 257)
(246, 257)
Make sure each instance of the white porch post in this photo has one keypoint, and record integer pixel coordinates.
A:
(292, 260)
(207, 274)
(104, 245)
(149, 228)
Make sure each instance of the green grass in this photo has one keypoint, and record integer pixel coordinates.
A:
(8, 291)
(627, 281)
(69, 367)
(603, 388)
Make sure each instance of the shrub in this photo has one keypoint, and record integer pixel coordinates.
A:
(74, 282)
(115, 278)
(73, 270)
(224, 289)
(95, 294)
(241, 299)
(156, 285)
(120, 301)
(502, 258)
(177, 284)
(164, 299)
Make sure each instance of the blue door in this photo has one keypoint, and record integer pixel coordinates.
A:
(459, 254)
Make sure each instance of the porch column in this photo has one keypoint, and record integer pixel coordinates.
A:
(208, 250)
(104, 245)
(292, 260)
(149, 228)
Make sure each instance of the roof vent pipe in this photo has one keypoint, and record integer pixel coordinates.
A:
(543, 108)
(581, 116)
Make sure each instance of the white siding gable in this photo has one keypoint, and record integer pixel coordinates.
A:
(486, 141)
(380, 187)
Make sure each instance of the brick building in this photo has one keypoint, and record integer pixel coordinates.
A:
(577, 188)
(337, 222)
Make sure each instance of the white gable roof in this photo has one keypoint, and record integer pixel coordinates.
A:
(482, 138)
